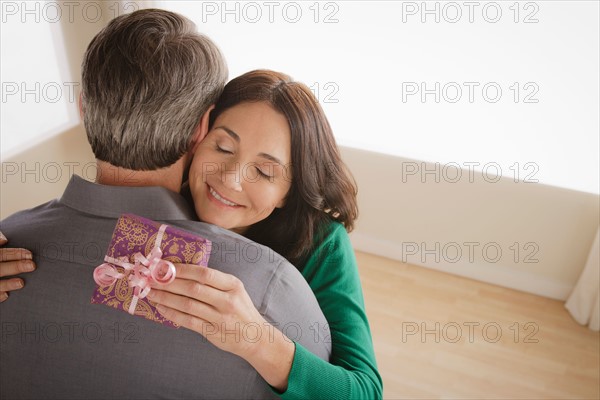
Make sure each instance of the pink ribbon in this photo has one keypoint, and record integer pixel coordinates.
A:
(146, 271)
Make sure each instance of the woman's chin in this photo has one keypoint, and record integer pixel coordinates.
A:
(215, 220)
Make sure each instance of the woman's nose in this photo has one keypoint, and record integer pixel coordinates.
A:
(231, 178)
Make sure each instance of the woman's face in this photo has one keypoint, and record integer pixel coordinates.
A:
(241, 171)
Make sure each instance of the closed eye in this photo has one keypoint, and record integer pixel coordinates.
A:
(222, 150)
(261, 173)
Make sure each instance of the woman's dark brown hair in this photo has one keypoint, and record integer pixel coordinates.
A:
(322, 188)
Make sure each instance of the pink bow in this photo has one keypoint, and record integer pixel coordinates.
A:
(106, 274)
(141, 275)
(148, 271)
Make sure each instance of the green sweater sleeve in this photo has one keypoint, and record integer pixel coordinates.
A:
(332, 274)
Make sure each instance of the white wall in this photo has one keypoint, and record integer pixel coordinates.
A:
(42, 45)
(372, 63)
(42, 141)
(526, 236)
(405, 210)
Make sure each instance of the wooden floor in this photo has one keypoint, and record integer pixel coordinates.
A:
(440, 336)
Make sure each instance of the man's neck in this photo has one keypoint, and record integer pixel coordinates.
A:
(169, 178)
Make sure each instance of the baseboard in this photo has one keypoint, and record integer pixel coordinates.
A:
(495, 274)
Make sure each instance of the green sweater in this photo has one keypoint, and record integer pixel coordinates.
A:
(332, 274)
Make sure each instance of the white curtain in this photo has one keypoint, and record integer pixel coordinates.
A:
(584, 301)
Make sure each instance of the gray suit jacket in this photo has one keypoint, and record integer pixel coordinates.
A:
(56, 344)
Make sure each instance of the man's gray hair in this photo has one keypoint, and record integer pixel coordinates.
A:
(148, 77)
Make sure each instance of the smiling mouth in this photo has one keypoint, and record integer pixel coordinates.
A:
(221, 199)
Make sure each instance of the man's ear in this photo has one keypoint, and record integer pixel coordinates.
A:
(201, 130)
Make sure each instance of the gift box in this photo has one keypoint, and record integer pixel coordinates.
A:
(141, 256)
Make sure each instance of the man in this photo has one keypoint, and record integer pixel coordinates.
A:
(149, 80)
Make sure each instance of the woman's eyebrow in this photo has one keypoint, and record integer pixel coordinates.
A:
(270, 157)
(231, 133)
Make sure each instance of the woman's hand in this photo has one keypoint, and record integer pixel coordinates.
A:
(211, 303)
(12, 262)
(217, 306)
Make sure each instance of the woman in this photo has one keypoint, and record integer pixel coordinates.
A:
(269, 169)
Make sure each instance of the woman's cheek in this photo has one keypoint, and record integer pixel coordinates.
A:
(279, 191)
(196, 167)
(204, 165)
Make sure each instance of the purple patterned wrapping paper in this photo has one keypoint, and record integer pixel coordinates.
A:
(134, 234)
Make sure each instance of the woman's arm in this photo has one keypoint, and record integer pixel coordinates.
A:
(217, 306)
(352, 372)
(214, 303)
